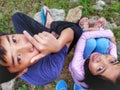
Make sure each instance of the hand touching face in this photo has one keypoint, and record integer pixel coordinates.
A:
(19, 52)
(44, 42)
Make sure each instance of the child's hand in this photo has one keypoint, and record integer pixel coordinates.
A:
(45, 42)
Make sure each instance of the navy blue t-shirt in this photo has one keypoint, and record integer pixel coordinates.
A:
(46, 69)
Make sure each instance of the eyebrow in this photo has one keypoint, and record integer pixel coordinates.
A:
(8, 39)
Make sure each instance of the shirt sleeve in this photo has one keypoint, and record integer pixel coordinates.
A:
(113, 50)
(98, 33)
(77, 65)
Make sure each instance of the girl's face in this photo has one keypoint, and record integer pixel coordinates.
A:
(105, 66)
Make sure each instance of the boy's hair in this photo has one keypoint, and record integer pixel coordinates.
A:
(5, 75)
(96, 82)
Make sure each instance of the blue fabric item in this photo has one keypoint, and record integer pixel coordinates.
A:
(43, 17)
(102, 45)
(23, 22)
(89, 48)
(61, 85)
(76, 87)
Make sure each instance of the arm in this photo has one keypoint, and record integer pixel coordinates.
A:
(98, 33)
(113, 50)
(113, 47)
(91, 29)
(46, 43)
(66, 37)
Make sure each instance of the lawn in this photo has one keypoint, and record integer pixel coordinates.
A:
(30, 7)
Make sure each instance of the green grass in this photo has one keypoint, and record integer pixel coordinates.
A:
(30, 7)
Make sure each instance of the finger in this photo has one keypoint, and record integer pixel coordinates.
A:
(41, 35)
(36, 58)
(46, 33)
(32, 40)
(49, 35)
(38, 38)
(44, 36)
(29, 37)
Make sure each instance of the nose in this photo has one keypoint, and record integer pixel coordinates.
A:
(99, 59)
(103, 59)
(27, 47)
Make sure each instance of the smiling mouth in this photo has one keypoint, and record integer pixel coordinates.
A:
(94, 56)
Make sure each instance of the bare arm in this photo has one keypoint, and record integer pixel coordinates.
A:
(65, 38)
(46, 43)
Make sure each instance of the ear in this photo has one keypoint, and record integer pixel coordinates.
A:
(21, 72)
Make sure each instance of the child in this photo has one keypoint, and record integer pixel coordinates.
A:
(94, 69)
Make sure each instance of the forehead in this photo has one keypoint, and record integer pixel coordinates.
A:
(6, 44)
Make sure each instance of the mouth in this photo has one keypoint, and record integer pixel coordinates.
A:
(94, 56)
(33, 49)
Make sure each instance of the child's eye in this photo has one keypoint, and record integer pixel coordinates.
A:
(19, 58)
(114, 61)
(14, 39)
(100, 68)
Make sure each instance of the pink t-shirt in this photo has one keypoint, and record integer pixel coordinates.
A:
(76, 66)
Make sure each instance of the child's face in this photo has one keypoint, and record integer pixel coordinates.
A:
(104, 65)
(19, 51)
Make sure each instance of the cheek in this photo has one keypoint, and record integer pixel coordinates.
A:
(28, 55)
(92, 68)
(12, 70)
(26, 59)
(15, 68)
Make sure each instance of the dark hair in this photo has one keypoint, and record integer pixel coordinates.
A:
(96, 82)
(5, 75)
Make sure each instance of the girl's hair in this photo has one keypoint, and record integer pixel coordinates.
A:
(5, 75)
(96, 82)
